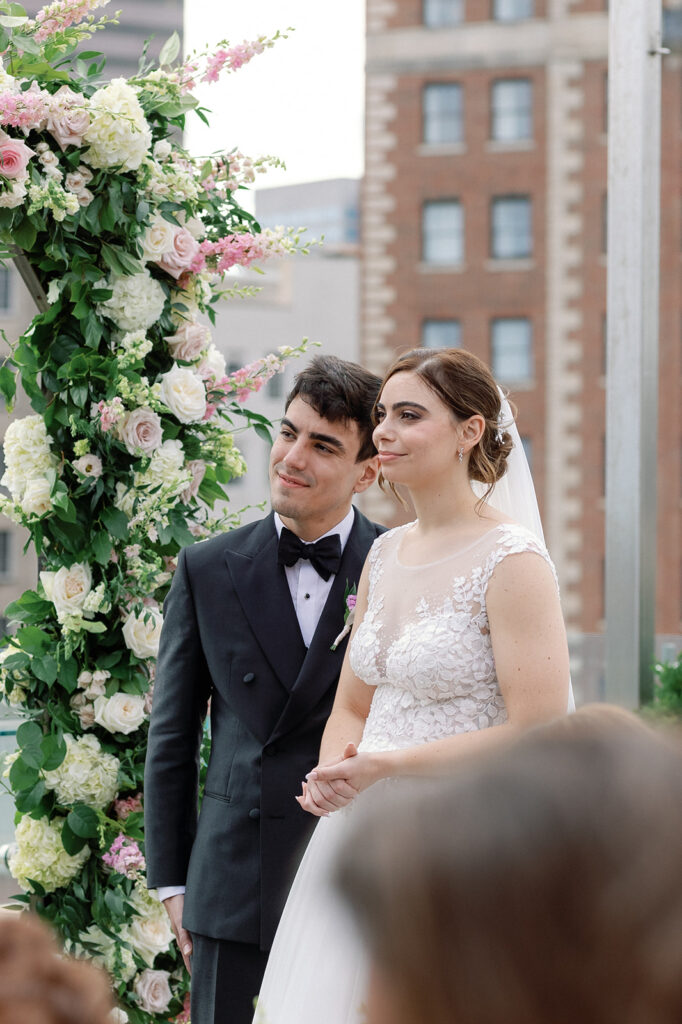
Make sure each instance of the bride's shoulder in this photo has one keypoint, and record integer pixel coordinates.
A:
(388, 540)
(511, 538)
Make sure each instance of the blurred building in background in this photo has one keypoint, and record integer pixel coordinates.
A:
(314, 296)
(483, 225)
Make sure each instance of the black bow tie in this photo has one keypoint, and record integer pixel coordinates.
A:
(324, 555)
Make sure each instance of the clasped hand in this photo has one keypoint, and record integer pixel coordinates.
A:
(331, 786)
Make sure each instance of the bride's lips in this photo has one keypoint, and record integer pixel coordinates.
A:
(388, 456)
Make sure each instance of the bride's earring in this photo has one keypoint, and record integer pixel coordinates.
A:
(461, 455)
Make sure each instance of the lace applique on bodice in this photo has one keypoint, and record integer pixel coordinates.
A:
(424, 640)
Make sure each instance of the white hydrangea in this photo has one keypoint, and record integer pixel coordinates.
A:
(86, 775)
(28, 455)
(113, 956)
(118, 135)
(39, 855)
(136, 302)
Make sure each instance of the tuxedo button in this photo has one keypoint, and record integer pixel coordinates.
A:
(254, 813)
(249, 677)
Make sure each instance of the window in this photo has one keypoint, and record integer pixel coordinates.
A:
(5, 554)
(511, 228)
(5, 289)
(512, 10)
(443, 231)
(512, 110)
(443, 12)
(512, 350)
(442, 112)
(441, 334)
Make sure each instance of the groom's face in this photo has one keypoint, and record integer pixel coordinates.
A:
(314, 470)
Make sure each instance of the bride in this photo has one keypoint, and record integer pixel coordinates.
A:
(456, 646)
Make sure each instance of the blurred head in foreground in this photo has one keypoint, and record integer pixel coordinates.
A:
(539, 886)
(39, 986)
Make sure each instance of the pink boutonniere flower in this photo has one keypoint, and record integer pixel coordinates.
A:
(350, 598)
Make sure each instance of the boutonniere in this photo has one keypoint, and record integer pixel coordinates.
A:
(349, 599)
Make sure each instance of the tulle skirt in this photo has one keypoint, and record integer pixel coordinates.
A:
(317, 971)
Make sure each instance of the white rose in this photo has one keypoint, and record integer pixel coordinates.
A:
(162, 150)
(88, 465)
(141, 431)
(153, 990)
(136, 302)
(197, 470)
(110, 954)
(157, 239)
(37, 500)
(184, 394)
(85, 197)
(188, 342)
(67, 588)
(122, 712)
(150, 936)
(118, 1016)
(143, 632)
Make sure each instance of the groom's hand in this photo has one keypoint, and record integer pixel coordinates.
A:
(174, 907)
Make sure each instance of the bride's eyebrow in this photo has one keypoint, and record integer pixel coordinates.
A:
(408, 405)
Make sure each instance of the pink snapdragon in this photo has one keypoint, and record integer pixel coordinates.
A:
(109, 415)
(124, 857)
(127, 805)
(62, 14)
(245, 381)
(240, 249)
(233, 58)
(26, 110)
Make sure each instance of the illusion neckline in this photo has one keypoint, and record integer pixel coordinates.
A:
(445, 558)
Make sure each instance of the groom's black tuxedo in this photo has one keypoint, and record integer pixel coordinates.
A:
(231, 634)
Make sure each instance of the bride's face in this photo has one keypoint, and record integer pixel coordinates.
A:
(417, 436)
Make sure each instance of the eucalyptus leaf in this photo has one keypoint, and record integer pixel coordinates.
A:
(170, 50)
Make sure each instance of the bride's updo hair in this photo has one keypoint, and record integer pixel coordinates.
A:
(466, 386)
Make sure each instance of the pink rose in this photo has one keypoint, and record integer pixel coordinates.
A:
(188, 342)
(182, 255)
(69, 117)
(14, 157)
(197, 468)
(152, 990)
(141, 431)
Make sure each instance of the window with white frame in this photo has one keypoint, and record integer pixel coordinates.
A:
(441, 334)
(511, 346)
(512, 10)
(437, 13)
(442, 113)
(511, 110)
(511, 228)
(442, 231)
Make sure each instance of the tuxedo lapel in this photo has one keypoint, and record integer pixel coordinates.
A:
(263, 592)
(322, 666)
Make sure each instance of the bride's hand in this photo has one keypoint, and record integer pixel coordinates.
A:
(356, 770)
(324, 796)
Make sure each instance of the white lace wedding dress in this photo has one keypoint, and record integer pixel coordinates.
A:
(424, 643)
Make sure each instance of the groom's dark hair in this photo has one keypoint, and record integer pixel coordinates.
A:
(340, 392)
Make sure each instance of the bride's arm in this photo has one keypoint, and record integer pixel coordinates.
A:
(344, 725)
(531, 660)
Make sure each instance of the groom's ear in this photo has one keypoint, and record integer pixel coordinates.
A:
(370, 471)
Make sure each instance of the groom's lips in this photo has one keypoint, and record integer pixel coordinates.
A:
(290, 481)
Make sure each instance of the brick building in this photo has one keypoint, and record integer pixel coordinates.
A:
(483, 217)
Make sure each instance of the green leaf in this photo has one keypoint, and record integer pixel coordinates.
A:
(262, 432)
(45, 669)
(22, 776)
(33, 640)
(79, 394)
(116, 522)
(24, 233)
(54, 752)
(93, 330)
(83, 821)
(8, 384)
(115, 903)
(30, 607)
(169, 50)
(142, 211)
(68, 674)
(72, 842)
(28, 801)
(29, 739)
(101, 546)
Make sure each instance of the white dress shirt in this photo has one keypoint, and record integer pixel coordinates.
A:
(309, 592)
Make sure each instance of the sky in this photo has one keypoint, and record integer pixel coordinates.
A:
(301, 101)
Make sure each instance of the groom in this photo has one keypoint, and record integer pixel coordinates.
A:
(249, 623)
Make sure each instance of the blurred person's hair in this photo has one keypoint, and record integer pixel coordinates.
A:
(340, 391)
(541, 885)
(39, 985)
